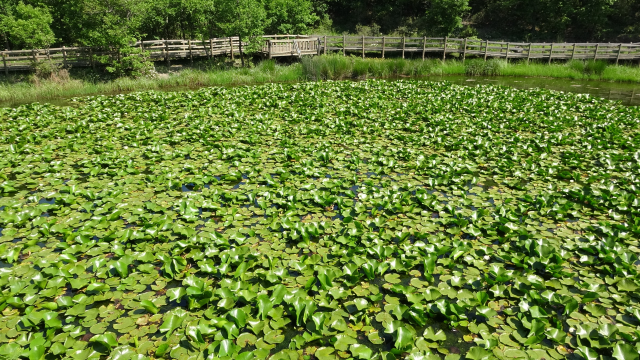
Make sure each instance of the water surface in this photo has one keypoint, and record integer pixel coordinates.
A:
(627, 93)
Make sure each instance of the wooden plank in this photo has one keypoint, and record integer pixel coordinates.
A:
(403, 45)
(383, 44)
(231, 47)
(424, 46)
(64, 56)
(618, 57)
(507, 54)
(444, 52)
(464, 52)
(550, 53)
(485, 50)
(344, 45)
(363, 46)
(595, 54)
(325, 45)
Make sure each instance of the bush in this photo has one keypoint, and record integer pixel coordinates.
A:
(45, 69)
(595, 67)
(131, 62)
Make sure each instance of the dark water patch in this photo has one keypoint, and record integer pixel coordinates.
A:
(50, 201)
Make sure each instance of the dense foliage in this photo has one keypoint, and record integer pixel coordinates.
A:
(115, 23)
(355, 220)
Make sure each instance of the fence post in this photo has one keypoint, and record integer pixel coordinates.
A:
(231, 44)
(363, 46)
(595, 55)
(93, 65)
(404, 41)
(4, 62)
(550, 53)
(424, 46)
(444, 52)
(383, 43)
(486, 49)
(344, 45)
(573, 52)
(506, 57)
(64, 57)
(325, 45)
(166, 52)
(618, 57)
(35, 58)
(269, 47)
(464, 51)
(529, 54)
(190, 52)
(319, 46)
(210, 48)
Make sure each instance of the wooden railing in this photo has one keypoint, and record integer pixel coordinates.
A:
(426, 46)
(157, 50)
(299, 45)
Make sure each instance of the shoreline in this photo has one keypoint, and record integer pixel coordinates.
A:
(319, 68)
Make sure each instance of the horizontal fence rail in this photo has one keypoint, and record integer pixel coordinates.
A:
(427, 46)
(299, 45)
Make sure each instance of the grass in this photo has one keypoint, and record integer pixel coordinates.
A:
(336, 67)
(16, 90)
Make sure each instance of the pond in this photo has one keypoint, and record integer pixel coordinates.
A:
(627, 93)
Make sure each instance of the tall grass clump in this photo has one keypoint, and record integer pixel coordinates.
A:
(336, 67)
(327, 67)
(595, 67)
(477, 67)
(576, 65)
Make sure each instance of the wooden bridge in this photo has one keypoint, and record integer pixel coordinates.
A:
(300, 45)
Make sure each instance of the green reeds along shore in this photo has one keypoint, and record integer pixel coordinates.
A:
(17, 89)
(62, 85)
(336, 67)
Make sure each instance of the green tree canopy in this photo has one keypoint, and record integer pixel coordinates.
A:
(28, 26)
(445, 16)
(290, 16)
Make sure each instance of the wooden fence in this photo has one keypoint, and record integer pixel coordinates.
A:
(299, 45)
(441, 47)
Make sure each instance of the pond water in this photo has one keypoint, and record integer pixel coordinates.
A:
(627, 93)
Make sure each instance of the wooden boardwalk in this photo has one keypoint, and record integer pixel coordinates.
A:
(301, 45)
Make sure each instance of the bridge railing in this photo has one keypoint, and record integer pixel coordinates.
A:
(300, 45)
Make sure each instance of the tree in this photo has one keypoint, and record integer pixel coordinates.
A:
(290, 16)
(445, 16)
(28, 26)
(243, 18)
(112, 23)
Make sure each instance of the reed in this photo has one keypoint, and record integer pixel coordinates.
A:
(326, 67)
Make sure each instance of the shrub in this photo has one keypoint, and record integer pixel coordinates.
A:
(131, 62)
(45, 69)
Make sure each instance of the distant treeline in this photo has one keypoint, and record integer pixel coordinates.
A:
(116, 23)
